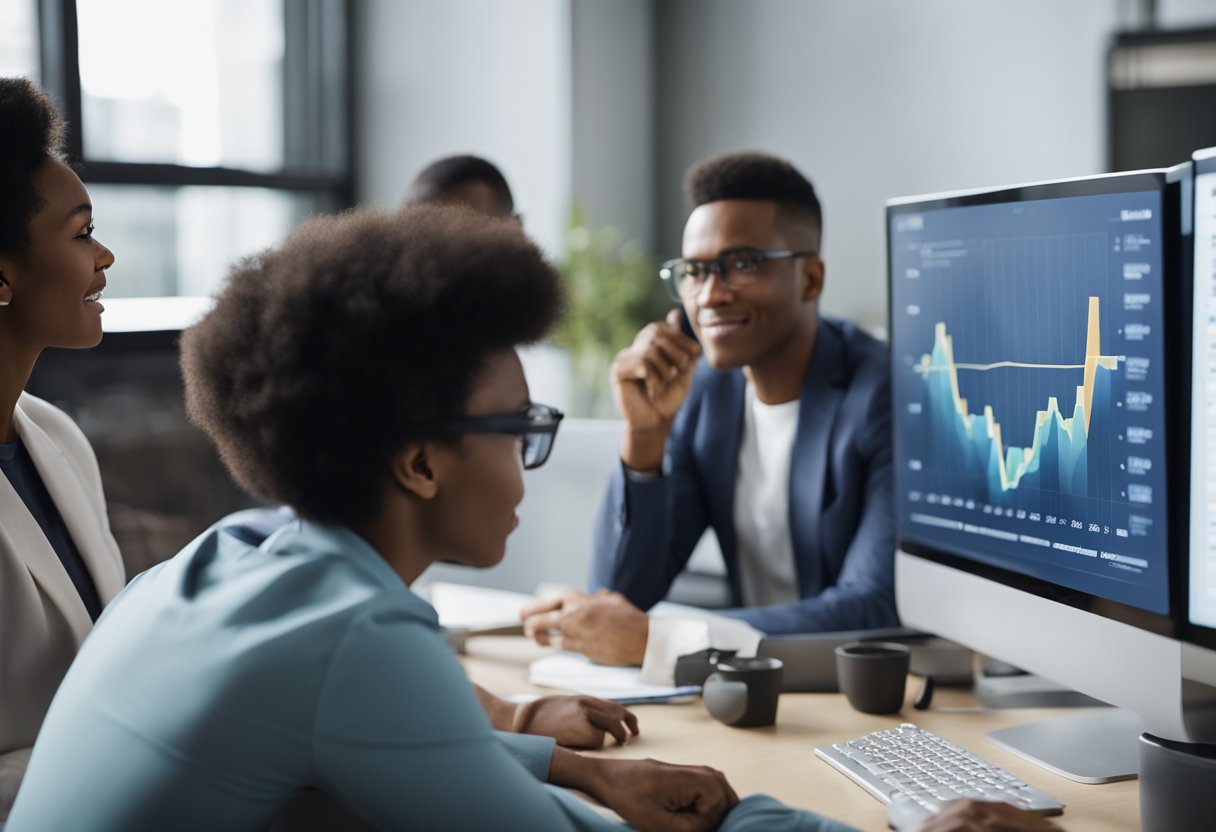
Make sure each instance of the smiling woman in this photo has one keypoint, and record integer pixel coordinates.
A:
(59, 564)
(60, 274)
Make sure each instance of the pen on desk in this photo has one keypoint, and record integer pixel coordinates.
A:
(679, 695)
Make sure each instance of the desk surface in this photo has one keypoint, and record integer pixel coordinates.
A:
(780, 760)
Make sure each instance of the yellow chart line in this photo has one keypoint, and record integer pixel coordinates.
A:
(1084, 391)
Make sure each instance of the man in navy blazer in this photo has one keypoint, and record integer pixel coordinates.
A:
(777, 436)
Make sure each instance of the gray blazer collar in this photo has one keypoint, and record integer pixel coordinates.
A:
(80, 515)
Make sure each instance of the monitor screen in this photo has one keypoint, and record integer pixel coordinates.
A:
(1202, 584)
(1027, 335)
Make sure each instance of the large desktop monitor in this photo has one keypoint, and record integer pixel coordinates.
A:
(1041, 340)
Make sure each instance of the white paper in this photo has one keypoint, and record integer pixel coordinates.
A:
(571, 671)
(463, 607)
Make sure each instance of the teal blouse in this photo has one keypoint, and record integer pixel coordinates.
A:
(221, 682)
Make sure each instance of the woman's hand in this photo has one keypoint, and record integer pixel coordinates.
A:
(575, 721)
(648, 794)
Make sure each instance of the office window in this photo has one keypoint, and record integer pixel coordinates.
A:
(207, 129)
(18, 41)
(156, 88)
(181, 240)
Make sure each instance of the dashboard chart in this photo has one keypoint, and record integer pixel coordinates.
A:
(1029, 388)
(1057, 458)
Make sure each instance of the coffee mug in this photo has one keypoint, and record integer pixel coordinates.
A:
(744, 692)
(872, 675)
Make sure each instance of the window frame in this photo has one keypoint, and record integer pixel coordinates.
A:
(317, 107)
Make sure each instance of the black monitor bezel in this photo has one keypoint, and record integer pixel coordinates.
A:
(1176, 310)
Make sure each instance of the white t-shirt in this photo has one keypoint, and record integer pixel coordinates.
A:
(765, 548)
(762, 502)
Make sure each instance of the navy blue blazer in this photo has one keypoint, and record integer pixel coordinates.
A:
(841, 510)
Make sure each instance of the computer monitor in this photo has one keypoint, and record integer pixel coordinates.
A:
(1201, 592)
(1040, 340)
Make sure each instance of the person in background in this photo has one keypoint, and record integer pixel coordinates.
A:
(59, 564)
(772, 428)
(463, 180)
(364, 374)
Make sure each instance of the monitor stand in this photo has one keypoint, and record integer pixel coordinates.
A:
(1014, 688)
(1097, 747)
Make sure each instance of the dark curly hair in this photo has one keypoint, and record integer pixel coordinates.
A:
(325, 355)
(754, 175)
(450, 171)
(31, 131)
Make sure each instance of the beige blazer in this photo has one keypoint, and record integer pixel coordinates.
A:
(42, 619)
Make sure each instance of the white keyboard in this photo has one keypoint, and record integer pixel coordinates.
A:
(929, 770)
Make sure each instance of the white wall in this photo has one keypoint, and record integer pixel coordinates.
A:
(1185, 13)
(612, 111)
(558, 93)
(467, 76)
(874, 99)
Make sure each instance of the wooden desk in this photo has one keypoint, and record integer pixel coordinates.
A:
(781, 761)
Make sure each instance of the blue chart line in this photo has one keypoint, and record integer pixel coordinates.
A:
(1057, 457)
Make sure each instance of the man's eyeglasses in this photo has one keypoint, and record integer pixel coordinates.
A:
(536, 427)
(684, 278)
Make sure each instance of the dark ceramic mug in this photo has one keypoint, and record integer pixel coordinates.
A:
(872, 675)
(744, 692)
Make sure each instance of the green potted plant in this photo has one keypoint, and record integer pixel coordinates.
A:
(613, 290)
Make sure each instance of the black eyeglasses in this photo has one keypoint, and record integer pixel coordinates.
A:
(536, 427)
(685, 277)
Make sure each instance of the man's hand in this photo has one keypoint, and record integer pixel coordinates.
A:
(650, 380)
(648, 794)
(984, 816)
(604, 627)
(575, 721)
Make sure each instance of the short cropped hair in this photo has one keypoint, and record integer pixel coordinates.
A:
(445, 174)
(753, 175)
(31, 131)
(324, 356)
